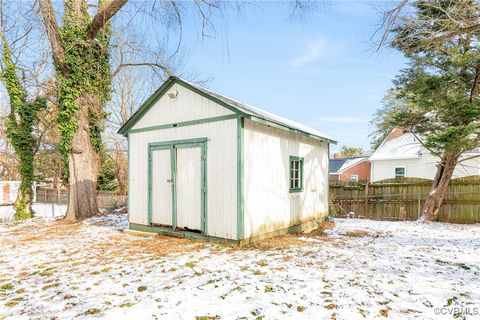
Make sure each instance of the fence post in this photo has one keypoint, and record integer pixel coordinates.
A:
(419, 206)
(366, 200)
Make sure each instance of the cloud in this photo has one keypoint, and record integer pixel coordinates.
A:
(342, 120)
(315, 50)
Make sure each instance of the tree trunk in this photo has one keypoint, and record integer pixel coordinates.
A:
(439, 188)
(84, 166)
(23, 203)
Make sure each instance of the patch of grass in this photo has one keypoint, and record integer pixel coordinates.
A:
(11, 304)
(330, 306)
(451, 301)
(172, 270)
(126, 304)
(106, 269)
(7, 286)
(464, 266)
(258, 272)
(360, 234)
(53, 285)
(384, 312)
(21, 290)
(300, 308)
(141, 288)
(18, 299)
(190, 264)
(244, 268)
(207, 317)
(92, 311)
(268, 289)
(261, 263)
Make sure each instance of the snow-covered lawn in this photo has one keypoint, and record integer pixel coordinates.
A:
(360, 269)
(45, 210)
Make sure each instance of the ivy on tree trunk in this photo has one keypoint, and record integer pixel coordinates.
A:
(19, 126)
(80, 51)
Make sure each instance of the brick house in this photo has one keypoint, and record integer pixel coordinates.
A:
(349, 169)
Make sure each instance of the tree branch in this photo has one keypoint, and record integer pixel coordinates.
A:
(103, 16)
(53, 33)
(140, 64)
(468, 158)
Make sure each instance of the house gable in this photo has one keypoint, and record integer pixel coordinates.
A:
(174, 103)
(175, 87)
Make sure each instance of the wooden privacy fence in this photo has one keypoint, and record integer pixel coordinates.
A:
(106, 199)
(384, 200)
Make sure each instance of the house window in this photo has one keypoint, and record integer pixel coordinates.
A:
(354, 177)
(400, 172)
(296, 174)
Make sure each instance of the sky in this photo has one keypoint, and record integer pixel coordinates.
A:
(322, 71)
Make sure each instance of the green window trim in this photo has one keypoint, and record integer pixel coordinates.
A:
(295, 184)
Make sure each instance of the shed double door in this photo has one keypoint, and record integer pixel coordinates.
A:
(178, 186)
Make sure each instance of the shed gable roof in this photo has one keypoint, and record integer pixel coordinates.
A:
(243, 109)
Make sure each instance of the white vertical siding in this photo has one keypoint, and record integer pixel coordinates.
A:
(221, 172)
(185, 107)
(422, 167)
(269, 206)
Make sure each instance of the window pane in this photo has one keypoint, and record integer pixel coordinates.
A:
(399, 172)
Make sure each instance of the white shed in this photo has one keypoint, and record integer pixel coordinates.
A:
(204, 165)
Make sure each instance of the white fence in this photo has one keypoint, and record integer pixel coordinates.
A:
(9, 190)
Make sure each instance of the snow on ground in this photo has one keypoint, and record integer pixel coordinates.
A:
(360, 269)
(45, 210)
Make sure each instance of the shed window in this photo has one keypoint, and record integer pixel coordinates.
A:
(400, 172)
(296, 174)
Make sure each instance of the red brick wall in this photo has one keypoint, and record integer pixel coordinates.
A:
(362, 170)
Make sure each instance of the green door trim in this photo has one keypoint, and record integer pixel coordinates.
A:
(150, 179)
(172, 146)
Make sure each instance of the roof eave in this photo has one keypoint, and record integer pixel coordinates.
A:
(125, 128)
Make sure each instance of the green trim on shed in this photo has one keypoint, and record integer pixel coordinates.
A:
(300, 161)
(172, 146)
(146, 106)
(185, 123)
(240, 177)
(128, 177)
(150, 102)
(179, 233)
(294, 131)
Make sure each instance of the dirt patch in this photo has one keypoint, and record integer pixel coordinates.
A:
(279, 242)
(161, 245)
(320, 231)
(362, 234)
